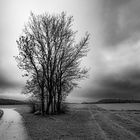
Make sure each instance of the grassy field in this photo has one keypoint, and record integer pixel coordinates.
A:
(84, 122)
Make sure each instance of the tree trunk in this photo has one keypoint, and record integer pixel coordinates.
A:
(54, 105)
(59, 102)
(42, 100)
(59, 97)
(49, 103)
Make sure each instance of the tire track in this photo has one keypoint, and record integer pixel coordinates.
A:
(111, 129)
(126, 123)
(97, 132)
(132, 116)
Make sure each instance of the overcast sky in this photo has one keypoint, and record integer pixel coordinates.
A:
(114, 57)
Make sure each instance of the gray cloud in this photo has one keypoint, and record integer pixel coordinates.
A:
(5, 83)
(120, 20)
(117, 71)
(114, 21)
(124, 85)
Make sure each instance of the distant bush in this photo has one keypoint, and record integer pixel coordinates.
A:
(35, 107)
(11, 102)
(117, 101)
(64, 109)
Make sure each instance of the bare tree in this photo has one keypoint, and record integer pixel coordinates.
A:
(51, 58)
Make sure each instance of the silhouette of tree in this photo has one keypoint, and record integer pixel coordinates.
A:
(51, 58)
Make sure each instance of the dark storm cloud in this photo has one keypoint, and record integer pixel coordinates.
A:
(5, 83)
(118, 72)
(124, 85)
(120, 21)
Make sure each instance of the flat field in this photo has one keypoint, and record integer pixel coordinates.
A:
(84, 122)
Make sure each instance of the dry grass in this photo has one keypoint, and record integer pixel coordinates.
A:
(72, 125)
(84, 122)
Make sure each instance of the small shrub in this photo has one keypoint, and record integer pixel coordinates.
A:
(35, 107)
(64, 109)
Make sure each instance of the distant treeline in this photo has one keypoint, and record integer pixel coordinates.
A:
(107, 101)
(11, 102)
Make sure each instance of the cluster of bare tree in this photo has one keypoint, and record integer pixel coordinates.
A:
(51, 58)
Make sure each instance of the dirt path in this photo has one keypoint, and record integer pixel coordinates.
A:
(11, 126)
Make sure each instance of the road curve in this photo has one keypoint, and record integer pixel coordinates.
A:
(11, 126)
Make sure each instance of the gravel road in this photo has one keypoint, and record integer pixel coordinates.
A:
(11, 126)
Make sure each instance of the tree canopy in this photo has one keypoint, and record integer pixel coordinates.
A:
(50, 55)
